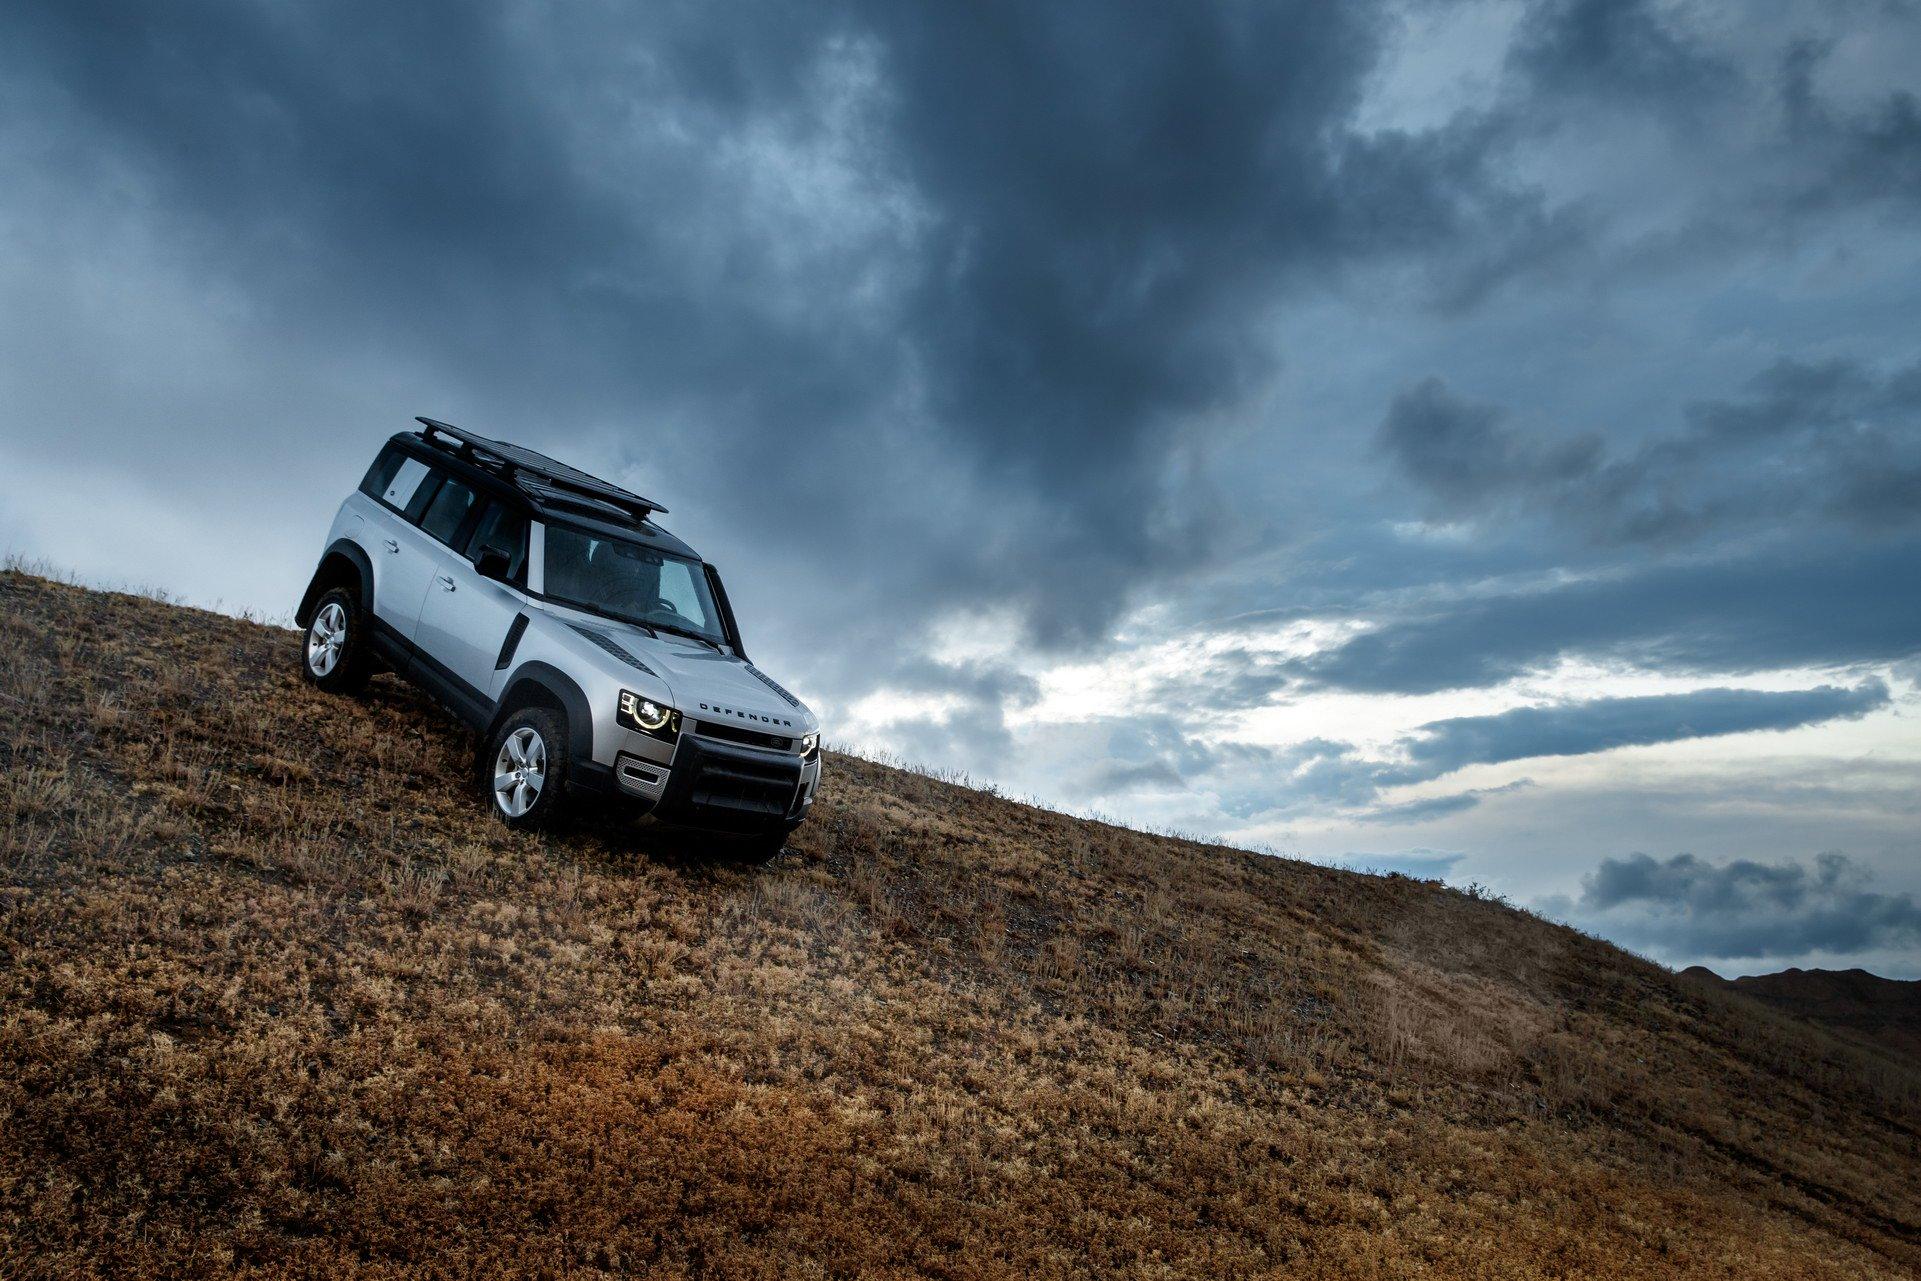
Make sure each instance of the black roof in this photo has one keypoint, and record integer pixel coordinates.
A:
(539, 475)
(551, 488)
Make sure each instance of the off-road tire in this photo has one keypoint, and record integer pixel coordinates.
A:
(527, 753)
(334, 655)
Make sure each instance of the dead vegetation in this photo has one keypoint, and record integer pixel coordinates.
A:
(277, 998)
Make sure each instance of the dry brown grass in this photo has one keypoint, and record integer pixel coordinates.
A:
(277, 998)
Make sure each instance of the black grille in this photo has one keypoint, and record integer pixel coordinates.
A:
(714, 729)
(731, 783)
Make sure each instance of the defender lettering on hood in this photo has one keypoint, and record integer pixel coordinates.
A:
(746, 716)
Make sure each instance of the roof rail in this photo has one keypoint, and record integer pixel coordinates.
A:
(540, 476)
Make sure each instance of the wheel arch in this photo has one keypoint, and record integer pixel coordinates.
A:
(538, 684)
(344, 564)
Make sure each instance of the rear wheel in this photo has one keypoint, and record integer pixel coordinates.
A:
(333, 654)
(526, 768)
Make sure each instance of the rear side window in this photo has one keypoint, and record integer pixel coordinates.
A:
(505, 530)
(381, 474)
(404, 485)
(447, 512)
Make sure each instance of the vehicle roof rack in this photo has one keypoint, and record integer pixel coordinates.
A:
(540, 477)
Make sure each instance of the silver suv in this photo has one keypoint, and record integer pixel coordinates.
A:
(593, 650)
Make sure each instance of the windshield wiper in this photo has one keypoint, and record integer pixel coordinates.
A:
(596, 610)
(682, 631)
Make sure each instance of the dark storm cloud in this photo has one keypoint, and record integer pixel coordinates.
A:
(1829, 441)
(986, 683)
(1688, 906)
(1871, 154)
(1327, 772)
(1466, 456)
(1234, 678)
(1062, 229)
(1744, 614)
(1576, 729)
(1164, 750)
(1433, 807)
(1618, 51)
(1636, 58)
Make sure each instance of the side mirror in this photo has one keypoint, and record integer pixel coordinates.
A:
(492, 563)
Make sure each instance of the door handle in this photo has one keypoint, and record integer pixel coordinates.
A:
(392, 546)
(446, 583)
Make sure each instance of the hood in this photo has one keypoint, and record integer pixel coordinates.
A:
(731, 689)
(703, 683)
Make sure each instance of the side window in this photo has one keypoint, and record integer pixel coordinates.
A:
(503, 529)
(403, 483)
(447, 511)
(379, 476)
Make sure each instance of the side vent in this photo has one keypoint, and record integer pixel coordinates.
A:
(515, 631)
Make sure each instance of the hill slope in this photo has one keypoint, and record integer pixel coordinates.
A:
(1885, 1012)
(279, 998)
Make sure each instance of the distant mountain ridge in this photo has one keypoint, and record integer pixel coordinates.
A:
(1885, 1012)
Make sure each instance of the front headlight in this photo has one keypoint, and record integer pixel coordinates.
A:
(809, 744)
(647, 716)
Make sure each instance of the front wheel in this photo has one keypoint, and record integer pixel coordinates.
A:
(333, 654)
(527, 764)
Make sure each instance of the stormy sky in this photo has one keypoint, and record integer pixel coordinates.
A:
(1481, 440)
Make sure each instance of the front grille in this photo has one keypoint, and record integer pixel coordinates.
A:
(732, 783)
(735, 733)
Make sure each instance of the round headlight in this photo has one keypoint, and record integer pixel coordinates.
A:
(644, 712)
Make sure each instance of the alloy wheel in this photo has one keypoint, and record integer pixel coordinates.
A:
(520, 771)
(326, 638)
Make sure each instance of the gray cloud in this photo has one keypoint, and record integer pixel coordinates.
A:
(1830, 440)
(1467, 457)
(1576, 729)
(1690, 907)
(1233, 678)
(1022, 251)
(1754, 612)
(1792, 137)
(1872, 153)
(1325, 772)
(1616, 51)
(1429, 808)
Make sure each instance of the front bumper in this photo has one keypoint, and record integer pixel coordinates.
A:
(721, 786)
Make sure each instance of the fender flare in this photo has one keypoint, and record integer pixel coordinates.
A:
(560, 686)
(329, 572)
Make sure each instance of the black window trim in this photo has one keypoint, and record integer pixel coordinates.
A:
(466, 550)
(468, 520)
(440, 465)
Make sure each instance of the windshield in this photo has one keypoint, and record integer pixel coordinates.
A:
(630, 582)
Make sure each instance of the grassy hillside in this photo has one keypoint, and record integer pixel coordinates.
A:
(278, 998)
